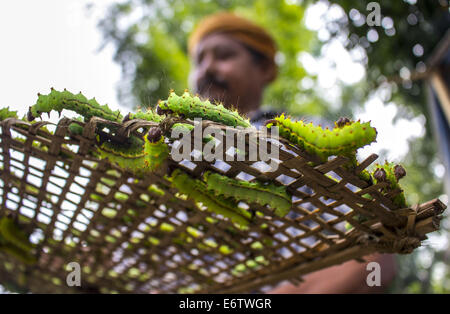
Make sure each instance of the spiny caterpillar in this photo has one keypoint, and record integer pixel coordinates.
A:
(75, 128)
(138, 156)
(344, 139)
(14, 241)
(385, 173)
(391, 173)
(6, 113)
(149, 115)
(196, 190)
(193, 107)
(179, 128)
(13, 234)
(252, 192)
(182, 128)
(139, 159)
(78, 103)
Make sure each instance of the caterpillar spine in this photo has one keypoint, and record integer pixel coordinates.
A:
(252, 192)
(78, 103)
(196, 190)
(193, 107)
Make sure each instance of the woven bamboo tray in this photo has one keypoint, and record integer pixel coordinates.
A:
(139, 245)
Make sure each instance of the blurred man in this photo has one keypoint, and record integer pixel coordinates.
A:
(234, 61)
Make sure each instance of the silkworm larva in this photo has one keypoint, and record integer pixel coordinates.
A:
(78, 103)
(344, 139)
(193, 107)
(149, 115)
(251, 192)
(179, 128)
(23, 256)
(196, 190)
(139, 160)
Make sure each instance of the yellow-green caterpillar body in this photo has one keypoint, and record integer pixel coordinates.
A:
(251, 192)
(78, 103)
(196, 190)
(179, 128)
(344, 139)
(6, 113)
(139, 159)
(193, 107)
(149, 115)
(391, 173)
(182, 127)
(21, 255)
(13, 234)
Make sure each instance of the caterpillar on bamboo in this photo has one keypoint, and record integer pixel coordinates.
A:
(21, 255)
(390, 173)
(13, 234)
(251, 192)
(344, 139)
(196, 190)
(137, 155)
(149, 115)
(193, 107)
(58, 101)
(139, 159)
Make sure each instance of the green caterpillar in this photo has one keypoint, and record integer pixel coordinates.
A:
(136, 156)
(23, 256)
(78, 103)
(196, 190)
(5, 113)
(76, 128)
(14, 241)
(252, 192)
(148, 115)
(16, 287)
(179, 128)
(139, 159)
(385, 173)
(193, 107)
(391, 173)
(344, 139)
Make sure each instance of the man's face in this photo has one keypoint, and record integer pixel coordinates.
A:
(224, 70)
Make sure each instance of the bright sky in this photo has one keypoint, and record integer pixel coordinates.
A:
(54, 43)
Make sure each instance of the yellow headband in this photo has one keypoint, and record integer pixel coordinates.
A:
(239, 28)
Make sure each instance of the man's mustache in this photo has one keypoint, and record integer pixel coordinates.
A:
(209, 81)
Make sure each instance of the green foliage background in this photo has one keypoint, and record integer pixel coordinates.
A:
(150, 37)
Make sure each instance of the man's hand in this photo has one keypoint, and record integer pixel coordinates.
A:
(349, 277)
